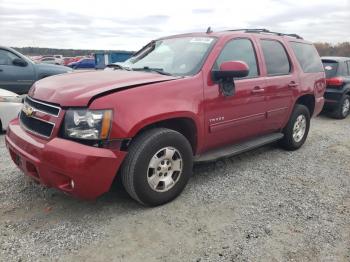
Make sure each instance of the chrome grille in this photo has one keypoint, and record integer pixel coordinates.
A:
(36, 125)
(42, 107)
(39, 117)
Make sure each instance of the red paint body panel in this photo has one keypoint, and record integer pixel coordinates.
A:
(260, 105)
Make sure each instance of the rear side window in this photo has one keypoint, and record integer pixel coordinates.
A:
(330, 67)
(242, 50)
(276, 58)
(343, 69)
(307, 57)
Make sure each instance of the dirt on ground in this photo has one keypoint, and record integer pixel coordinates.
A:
(264, 205)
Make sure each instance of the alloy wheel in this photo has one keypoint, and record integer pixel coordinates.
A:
(299, 128)
(164, 169)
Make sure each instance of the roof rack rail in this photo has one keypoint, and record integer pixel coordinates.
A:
(263, 30)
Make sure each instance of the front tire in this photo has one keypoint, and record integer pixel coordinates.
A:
(157, 166)
(297, 129)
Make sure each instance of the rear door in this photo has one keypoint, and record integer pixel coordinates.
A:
(17, 79)
(281, 79)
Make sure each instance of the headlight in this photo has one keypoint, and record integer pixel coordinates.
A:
(87, 124)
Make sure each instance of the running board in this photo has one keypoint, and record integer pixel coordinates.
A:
(236, 149)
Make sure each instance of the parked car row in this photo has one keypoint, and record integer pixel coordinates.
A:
(78, 62)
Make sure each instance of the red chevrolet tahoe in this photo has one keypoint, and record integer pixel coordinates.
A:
(179, 100)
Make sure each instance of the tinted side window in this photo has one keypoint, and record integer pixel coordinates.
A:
(307, 57)
(6, 57)
(344, 69)
(276, 59)
(348, 68)
(239, 49)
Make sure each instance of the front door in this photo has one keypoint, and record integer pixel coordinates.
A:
(231, 119)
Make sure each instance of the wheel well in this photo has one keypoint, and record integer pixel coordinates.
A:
(308, 101)
(185, 126)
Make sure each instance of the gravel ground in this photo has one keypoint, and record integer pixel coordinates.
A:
(265, 205)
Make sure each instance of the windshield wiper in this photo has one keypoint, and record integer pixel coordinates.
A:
(119, 66)
(151, 69)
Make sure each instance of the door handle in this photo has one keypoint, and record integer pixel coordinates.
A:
(258, 90)
(292, 84)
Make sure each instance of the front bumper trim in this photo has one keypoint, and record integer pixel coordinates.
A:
(59, 163)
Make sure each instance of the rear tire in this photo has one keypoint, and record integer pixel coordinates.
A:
(297, 128)
(343, 108)
(157, 166)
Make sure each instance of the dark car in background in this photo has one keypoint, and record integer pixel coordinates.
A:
(337, 94)
(18, 73)
(83, 63)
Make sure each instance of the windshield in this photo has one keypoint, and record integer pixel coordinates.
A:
(330, 68)
(176, 56)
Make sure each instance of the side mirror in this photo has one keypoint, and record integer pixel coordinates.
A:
(19, 62)
(227, 72)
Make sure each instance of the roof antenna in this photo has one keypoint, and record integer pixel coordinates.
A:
(209, 30)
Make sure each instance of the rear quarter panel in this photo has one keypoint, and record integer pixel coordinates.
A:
(309, 83)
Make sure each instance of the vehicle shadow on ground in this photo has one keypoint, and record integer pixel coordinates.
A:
(118, 200)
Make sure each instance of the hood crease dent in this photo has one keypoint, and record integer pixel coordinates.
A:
(78, 89)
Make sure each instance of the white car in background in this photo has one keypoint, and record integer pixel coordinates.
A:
(50, 60)
(10, 106)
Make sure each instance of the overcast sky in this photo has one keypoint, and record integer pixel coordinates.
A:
(130, 24)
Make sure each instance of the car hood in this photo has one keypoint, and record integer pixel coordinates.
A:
(51, 67)
(79, 88)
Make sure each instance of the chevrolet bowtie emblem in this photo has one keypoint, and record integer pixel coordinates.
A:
(28, 110)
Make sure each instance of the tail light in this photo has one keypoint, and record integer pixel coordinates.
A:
(335, 81)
